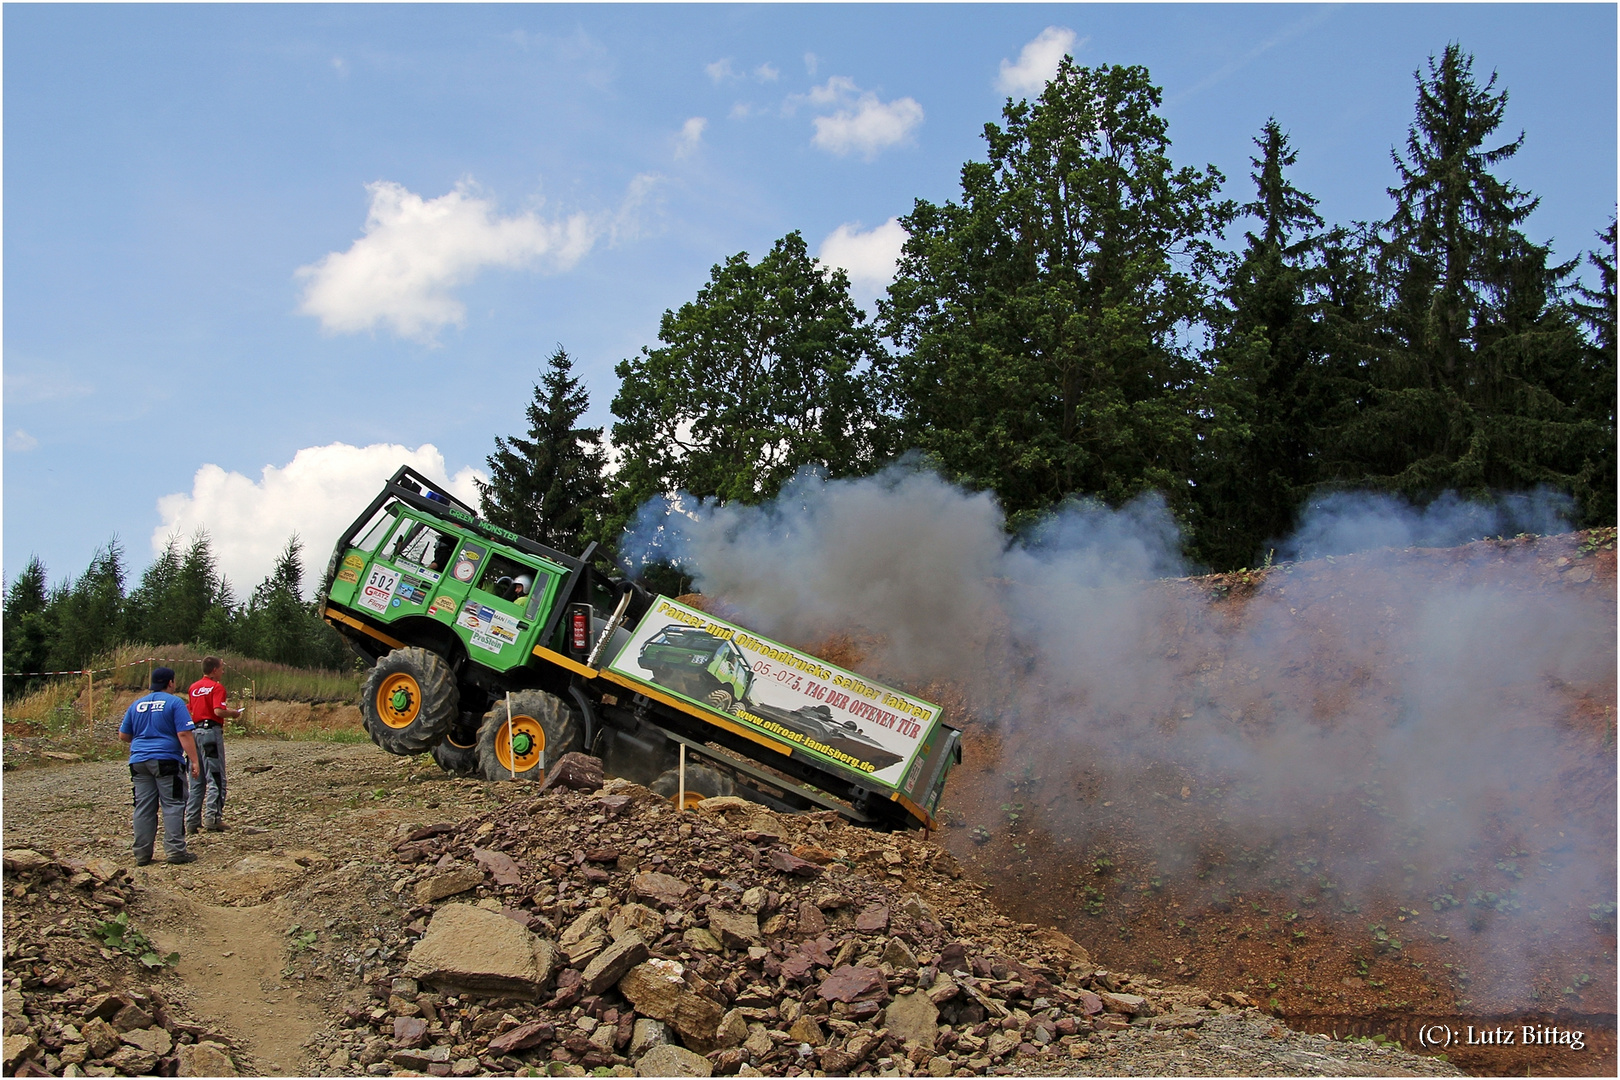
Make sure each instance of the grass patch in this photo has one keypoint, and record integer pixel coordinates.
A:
(245, 677)
(62, 706)
(53, 709)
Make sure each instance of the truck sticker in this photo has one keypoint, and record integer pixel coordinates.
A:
(467, 563)
(354, 562)
(503, 626)
(348, 574)
(832, 714)
(446, 604)
(412, 590)
(378, 589)
(491, 630)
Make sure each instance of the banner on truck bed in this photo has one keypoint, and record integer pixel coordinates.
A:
(795, 698)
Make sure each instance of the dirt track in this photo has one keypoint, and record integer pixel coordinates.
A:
(308, 808)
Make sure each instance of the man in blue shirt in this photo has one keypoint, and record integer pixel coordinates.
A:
(158, 729)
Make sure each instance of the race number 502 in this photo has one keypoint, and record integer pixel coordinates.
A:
(378, 588)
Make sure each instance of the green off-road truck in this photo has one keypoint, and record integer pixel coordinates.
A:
(499, 655)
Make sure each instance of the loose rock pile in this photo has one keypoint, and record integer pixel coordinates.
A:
(603, 931)
(70, 1006)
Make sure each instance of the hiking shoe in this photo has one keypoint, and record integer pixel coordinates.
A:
(214, 826)
(143, 860)
(193, 830)
(183, 857)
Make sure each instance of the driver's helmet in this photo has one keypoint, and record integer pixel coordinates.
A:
(523, 585)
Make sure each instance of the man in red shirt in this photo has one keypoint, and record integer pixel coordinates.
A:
(208, 712)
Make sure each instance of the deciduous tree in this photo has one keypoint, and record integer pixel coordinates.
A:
(1048, 323)
(766, 372)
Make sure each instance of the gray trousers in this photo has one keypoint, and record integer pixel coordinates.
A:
(207, 798)
(156, 786)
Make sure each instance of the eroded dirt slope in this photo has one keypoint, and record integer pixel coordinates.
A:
(1319, 803)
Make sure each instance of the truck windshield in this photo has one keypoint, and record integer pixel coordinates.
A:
(378, 528)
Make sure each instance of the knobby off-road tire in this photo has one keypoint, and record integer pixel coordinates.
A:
(702, 783)
(542, 729)
(455, 759)
(409, 701)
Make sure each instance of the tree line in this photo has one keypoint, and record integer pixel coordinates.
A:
(182, 598)
(1073, 326)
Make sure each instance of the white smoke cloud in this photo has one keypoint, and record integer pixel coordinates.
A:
(415, 252)
(1037, 62)
(1413, 700)
(1348, 521)
(863, 124)
(869, 257)
(317, 494)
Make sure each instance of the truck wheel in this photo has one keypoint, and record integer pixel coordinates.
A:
(542, 728)
(702, 783)
(455, 759)
(721, 699)
(409, 701)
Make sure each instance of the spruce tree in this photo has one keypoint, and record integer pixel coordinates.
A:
(549, 486)
(182, 597)
(1595, 393)
(1266, 390)
(27, 626)
(90, 610)
(1475, 360)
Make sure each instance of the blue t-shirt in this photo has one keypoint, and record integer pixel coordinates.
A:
(155, 723)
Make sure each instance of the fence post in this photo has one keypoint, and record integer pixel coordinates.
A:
(511, 757)
(680, 795)
(90, 712)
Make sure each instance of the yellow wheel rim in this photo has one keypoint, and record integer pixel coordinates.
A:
(520, 750)
(692, 799)
(399, 699)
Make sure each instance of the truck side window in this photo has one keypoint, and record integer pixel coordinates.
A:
(428, 548)
(507, 579)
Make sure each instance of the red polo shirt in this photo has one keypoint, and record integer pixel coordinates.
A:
(206, 696)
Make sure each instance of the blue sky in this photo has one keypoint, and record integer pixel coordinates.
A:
(257, 256)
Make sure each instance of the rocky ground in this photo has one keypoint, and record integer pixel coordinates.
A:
(1262, 940)
(587, 931)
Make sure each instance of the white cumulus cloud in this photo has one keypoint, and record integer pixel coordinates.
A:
(415, 252)
(317, 494)
(690, 136)
(1037, 63)
(20, 442)
(721, 70)
(862, 123)
(869, 257)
